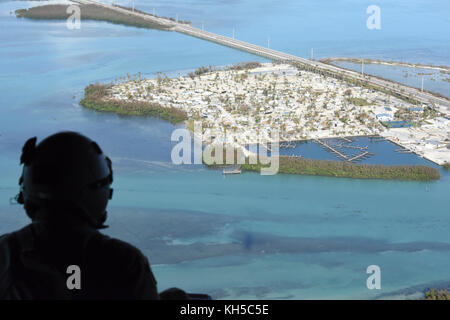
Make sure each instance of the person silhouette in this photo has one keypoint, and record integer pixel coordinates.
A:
(65, 188)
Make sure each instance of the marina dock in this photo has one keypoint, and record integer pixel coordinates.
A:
(350, 158)
(331, 149)
(362, 155)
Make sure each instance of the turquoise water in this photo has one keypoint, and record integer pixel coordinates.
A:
(243, 236)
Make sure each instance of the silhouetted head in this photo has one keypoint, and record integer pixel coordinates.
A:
(65, 176)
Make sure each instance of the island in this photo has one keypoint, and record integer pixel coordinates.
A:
(300, 99)
(93, 11)
(96, 96)
(239, 104)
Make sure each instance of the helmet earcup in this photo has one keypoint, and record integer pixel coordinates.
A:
(66, 169)
(19, 198)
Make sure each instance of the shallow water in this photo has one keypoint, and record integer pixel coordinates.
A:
(241, 236)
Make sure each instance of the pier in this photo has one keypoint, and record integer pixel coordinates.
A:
(349, 146)
(288, 145)
(403, 150)
(331, 149)
(359, 157)
(344, 157)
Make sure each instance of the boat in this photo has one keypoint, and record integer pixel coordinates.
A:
(232, 171)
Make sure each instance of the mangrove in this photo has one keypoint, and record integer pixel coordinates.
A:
(96, 98)
(88, 12)
(344, 169)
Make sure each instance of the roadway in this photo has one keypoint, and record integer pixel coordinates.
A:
(417, 94)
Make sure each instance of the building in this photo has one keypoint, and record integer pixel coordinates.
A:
(384, 117)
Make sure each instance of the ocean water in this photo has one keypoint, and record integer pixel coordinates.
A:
(415, 31)
(244, 236)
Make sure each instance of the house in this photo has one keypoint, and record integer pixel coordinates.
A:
(384, 117)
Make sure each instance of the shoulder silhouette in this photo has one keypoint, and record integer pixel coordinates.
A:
(65, 188)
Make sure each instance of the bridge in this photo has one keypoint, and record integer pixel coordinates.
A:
(403, 90)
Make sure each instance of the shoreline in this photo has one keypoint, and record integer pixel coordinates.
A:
(343, 169)
(94, 98)
(216, 98)
(94, 12)
(318, 167)
(235, 103)
(391, 140)
(402, 138)
(299, 165)
(387, 62)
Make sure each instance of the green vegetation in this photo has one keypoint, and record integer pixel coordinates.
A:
(434, 294)
(446, 166)
(237, 67)
(290, 165)
(245, 65)
(200, 71)
(190, 125)
(88, 12)
(359, 102)
(96, 97)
